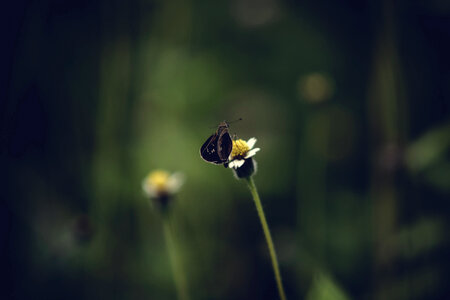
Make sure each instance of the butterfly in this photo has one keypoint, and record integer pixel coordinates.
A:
(218, 146)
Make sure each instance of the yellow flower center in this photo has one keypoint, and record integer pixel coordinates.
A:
(158, 179)
(240, 149)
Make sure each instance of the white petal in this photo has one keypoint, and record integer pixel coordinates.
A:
(251, 142)
(175, 181)
(231, 164)
(239, 163)
(148, 189)
(252, 152)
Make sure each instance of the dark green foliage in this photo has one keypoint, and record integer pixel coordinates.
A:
(349, 101)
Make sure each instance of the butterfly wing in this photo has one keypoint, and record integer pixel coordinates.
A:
(208, 151)
(224, 145)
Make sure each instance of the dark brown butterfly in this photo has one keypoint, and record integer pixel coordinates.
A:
(218, 146)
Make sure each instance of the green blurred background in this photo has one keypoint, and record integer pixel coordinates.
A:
(349, 101)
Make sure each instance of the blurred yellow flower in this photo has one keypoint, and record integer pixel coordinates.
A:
(316, 87)
(160, 183)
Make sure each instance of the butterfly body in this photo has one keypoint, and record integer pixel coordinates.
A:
(218, 146)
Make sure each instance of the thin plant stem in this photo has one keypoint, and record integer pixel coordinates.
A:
(265, 226)
(180, 280)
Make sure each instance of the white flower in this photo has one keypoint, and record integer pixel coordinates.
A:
(242, 150)
(160, 183)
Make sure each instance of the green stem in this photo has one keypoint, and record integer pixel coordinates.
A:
(262, 218)
(180, 280)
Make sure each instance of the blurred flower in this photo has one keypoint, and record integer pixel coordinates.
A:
(161, 185)
(316, 87)
(242, 150)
